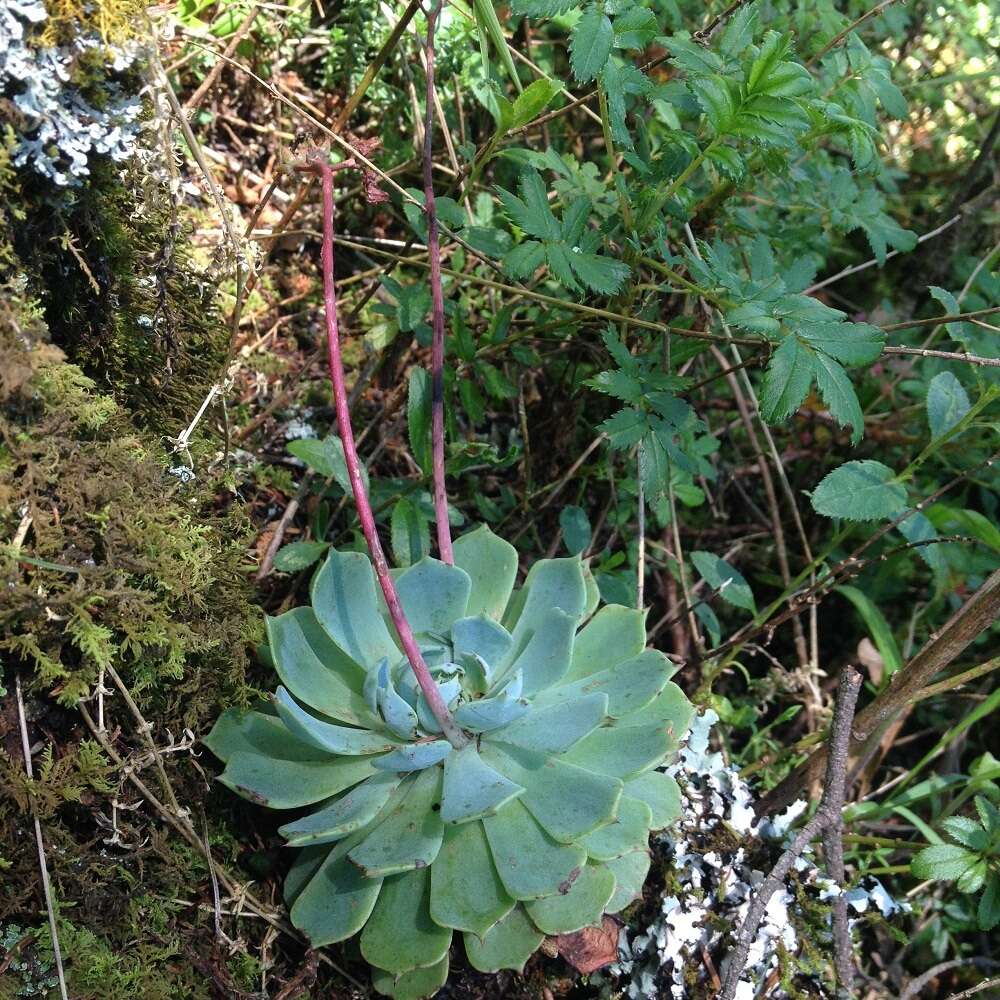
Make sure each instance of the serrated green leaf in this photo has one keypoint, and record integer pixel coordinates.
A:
(849, 343)
(625, 428)
(967, 832)
(543, 8)
(786, 380)
(524, 259)
(839, 395)
(590, 44)
(860, 491)
(635, 28)
(533, 100)
(717, 101)
(600, 274)
(947, 403)
(988, 912)
(942, 861)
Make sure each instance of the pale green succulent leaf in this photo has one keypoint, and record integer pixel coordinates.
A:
(629, 685)
(398, 713)
(346, 604)
(307, 862)
(669, 709)
(400, 935)
(466, 892)
(236, 731)
(567, 801)
(415, 756)
(315, 669)
(555, 729)
(501, 709)
(614, 634)
(336, 901)
(629, 832)
(545, 656)
(450, 690)
(483, 637)
(491, 564)
(325, 736)
(660, 792)
(506, 945)
(529, 862)
(410, 835)
(593, 592)
(630, 871)
(347, 814)
(551, 583)
(414, 985)
(472, 789)
(583, 906)
(622, 752)
(433, 595)
(289, 784)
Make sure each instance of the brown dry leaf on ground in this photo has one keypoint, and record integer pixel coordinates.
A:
(592, 948)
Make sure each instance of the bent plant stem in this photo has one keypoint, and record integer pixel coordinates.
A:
(437, 311)
(435, 702)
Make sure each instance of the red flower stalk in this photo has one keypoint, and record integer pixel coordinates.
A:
(318, 163)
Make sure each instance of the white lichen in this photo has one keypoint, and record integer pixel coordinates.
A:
(59, 130)
(716, 885)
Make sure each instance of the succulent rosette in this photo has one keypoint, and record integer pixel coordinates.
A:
(538, 825)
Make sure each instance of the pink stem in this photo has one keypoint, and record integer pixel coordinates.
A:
(437, 312)
(430, 690)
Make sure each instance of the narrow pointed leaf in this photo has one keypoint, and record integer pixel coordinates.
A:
(529, 862)
(466, 892)
(400, 935)
(583, 906)
(410, 836)
(472, 789)
(506, 945)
